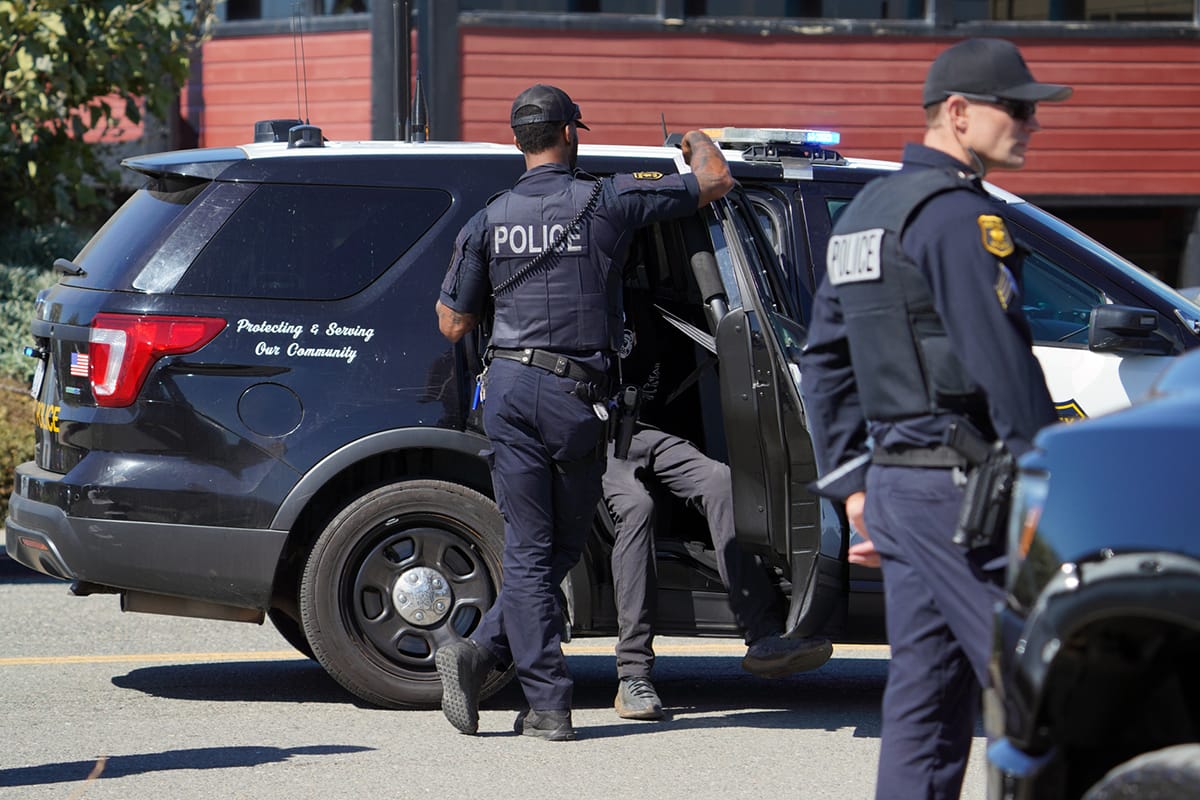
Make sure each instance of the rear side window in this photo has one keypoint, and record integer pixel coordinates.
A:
(296, 242)
(133, 234)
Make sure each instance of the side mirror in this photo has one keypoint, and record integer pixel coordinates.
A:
(1127, 330)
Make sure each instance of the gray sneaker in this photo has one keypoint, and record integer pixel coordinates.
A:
(462, 666)
(636, 699)
(776, 656)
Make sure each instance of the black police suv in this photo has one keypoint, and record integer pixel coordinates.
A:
(246, 412)
(1096, 663)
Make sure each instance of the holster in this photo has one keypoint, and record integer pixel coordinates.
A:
(987, 498)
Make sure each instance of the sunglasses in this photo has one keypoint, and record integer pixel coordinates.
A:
(1020, 110)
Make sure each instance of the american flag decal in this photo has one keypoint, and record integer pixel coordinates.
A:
(79, 365)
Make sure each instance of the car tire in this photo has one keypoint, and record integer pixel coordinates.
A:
(398, 573)
(1172, 773)
(291, 630)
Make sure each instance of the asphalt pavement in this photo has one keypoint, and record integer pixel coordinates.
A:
(104, 705)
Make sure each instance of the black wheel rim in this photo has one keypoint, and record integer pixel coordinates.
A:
(390, 554)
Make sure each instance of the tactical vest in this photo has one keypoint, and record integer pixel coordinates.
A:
(903, 364)
(573, 303)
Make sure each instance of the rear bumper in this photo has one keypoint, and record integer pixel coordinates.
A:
(225, 566)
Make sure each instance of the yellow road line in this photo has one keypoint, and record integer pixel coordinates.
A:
(138, 658)
(583, 648)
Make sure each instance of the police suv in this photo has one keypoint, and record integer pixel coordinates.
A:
(245, 410)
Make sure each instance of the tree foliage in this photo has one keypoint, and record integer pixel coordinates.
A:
(73, 66)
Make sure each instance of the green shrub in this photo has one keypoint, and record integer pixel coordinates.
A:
(18, 290)
(16, 436)
(26, 256)
(39, 246)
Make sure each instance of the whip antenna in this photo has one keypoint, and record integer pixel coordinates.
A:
(301, 134)
(299, 59)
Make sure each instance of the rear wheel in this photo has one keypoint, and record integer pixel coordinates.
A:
(399, 572)
(1172, 773)
(291, 630)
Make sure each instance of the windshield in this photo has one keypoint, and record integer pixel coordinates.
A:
(1128, 269)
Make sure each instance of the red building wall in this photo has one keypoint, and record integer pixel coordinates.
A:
(1129, 128)
(248, 78)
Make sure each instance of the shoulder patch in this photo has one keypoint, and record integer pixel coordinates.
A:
(1006, 286)
(647, 176)
(995, 235)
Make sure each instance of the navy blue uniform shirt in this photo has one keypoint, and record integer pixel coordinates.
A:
(626, 204)
(979, 301)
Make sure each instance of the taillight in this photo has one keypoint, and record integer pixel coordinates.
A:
(123, 347)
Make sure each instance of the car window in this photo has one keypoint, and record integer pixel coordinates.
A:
(311, 242)
(835, 206)
(134, 233)
(1056, 303)
(763, 256)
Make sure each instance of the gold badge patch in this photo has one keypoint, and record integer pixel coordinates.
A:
(647, 176)
(995, 236)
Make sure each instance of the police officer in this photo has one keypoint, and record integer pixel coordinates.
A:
(549, 252)
(917, 331)
(658, 460)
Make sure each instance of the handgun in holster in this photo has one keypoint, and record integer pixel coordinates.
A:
(624, 417)
(987, 497)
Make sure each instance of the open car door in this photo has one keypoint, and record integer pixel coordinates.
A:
(758, 341)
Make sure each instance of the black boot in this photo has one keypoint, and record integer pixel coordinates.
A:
(462, 666)
(554, 726)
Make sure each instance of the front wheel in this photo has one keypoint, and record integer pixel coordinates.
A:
(399, 572)
(1172, 773)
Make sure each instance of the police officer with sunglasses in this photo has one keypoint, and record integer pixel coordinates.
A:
(917, 336)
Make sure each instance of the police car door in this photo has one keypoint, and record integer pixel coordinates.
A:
(758, 344)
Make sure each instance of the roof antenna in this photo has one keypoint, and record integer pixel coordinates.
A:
(670, 139)
(420, 113)
(402, 31)
(304, 135)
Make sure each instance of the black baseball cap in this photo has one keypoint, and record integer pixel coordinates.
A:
(986, 67)
(553, 103)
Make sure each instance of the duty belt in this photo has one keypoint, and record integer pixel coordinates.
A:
(554, 364)
(933, 457)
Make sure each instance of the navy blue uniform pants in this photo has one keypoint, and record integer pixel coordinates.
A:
(546, 465)
(661, 459)
(940, 609)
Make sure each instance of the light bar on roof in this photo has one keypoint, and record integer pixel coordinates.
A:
(772, 135)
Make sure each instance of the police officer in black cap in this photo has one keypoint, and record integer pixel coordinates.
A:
(918, 336)
(550, 254)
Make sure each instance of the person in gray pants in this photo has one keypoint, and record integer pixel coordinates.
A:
(662, 460)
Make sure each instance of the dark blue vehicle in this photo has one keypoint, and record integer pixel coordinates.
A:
(1097, 651)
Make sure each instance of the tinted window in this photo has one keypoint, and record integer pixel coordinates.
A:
(133, 234)
(311, 242)
(1056, 303)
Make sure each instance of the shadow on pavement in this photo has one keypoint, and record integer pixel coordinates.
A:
(14, 572)
(697, 691)
(137, 764)
(291, 681)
